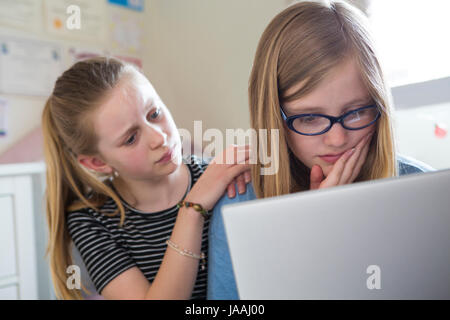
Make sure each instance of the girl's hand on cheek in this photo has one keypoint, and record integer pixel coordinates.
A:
(230, 166)
(345, 170)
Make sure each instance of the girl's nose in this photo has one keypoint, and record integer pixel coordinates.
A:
(155, 137)
(336, 136)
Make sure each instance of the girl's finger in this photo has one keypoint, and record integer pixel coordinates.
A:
(234, 171)
(336, 172)
(247, 176)
(352, 162)
(361, 162)
(231, 190)
(316, 177)
(240, 181)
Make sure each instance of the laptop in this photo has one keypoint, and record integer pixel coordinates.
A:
(381, 239)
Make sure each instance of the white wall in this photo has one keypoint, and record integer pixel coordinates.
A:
(200, 54)
(418, 137)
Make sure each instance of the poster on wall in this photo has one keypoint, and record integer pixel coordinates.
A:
(28, 66)
(76, 19)
(125, 29)
(21, 14)
(76, 54)
(137, 5)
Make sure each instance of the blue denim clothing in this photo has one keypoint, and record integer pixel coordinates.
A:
(221, 283)
(221, 280)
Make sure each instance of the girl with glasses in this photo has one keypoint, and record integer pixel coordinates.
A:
(317, 79)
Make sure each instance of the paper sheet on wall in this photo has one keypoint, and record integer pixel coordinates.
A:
(76, 54)
(3, 112)
(91, 16)
(22, 14)
(28, 67)
(126, 31)
(137, 5)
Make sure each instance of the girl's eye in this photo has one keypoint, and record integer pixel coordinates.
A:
(310, 119)
(154, 115)
(131, 140)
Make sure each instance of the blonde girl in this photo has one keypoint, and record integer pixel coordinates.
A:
(317, 79)
(114, 184)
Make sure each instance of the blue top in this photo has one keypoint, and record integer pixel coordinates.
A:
(221, 281)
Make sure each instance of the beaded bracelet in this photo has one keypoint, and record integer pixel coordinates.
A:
(188, 253)
(197, 207)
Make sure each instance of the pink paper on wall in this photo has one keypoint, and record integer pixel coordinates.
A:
(28, 149)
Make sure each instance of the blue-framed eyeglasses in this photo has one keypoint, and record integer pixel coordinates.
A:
(313, 124)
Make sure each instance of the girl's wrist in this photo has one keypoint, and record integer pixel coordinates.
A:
(195, 206)
(192, 197)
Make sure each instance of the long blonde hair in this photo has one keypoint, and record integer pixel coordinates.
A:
(69, 131)
(303, 43)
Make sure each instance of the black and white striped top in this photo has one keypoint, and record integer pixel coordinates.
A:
(108, 250)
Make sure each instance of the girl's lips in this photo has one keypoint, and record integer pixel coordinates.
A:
(331, 159)
(166, 157)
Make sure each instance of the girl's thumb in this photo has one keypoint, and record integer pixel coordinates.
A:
(316, 177)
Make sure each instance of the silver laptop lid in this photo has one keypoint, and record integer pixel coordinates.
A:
(382, 239)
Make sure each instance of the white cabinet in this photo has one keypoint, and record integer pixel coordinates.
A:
(9, 293)
(18, 238)
(7, 236)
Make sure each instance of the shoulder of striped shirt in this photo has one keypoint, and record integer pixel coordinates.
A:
(195, 164)
(202, 162)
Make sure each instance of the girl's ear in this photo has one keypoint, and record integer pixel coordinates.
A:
(94, 163)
